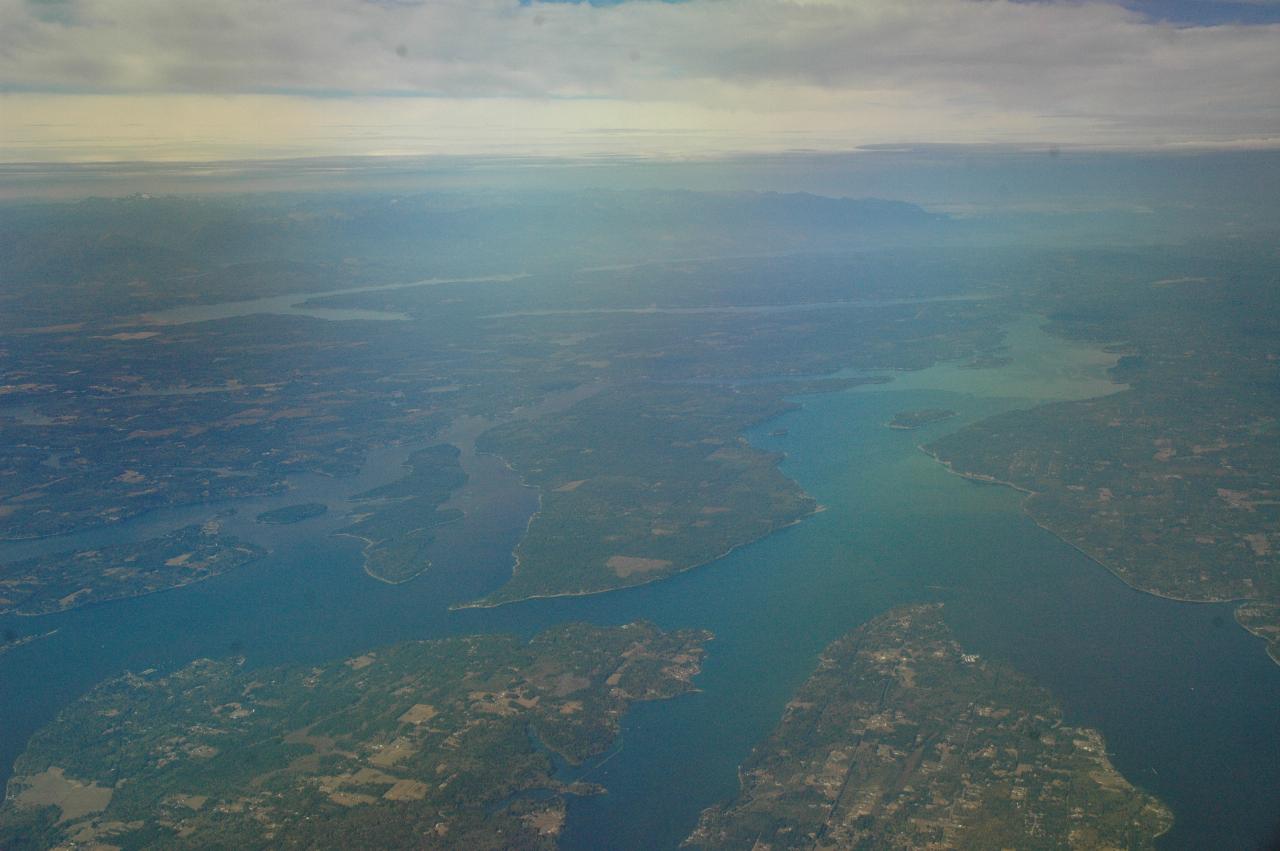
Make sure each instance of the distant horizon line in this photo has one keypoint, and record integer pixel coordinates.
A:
(1041, 148)
(939, 176)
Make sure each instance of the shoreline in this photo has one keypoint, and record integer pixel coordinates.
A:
(982, 478)
(195, 580)
(27, 639)
(364, 554)
(483, 603)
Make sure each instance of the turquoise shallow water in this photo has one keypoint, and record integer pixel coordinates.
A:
(1185, 698)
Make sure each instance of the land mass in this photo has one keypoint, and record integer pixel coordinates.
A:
(1173, 483)
(1262, 620)
(68, 580)
(641, 482)
(397, 527)
(13, 642)
(908, 420)
(437, 744)
(900, 739)
(292, 513)
(125, 395)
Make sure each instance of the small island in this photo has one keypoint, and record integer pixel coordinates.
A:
(292, 513)
(397, 521)
(438, 744)
(910, 420)
(901, 739)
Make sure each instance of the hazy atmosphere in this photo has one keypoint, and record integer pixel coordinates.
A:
(89, 80)
(721, 424)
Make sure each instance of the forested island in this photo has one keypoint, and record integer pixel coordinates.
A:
(293, 513)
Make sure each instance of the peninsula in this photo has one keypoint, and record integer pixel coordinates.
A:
(447, 742)
(68, 580)
(910, 420)
(901, 739)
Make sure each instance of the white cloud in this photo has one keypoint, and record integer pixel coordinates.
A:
(750, 73)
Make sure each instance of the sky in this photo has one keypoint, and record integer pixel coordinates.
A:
(181, 80)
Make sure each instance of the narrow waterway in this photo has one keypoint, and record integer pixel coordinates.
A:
(299, 304)
(1185, 698)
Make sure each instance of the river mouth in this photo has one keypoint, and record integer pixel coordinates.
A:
(898, 528)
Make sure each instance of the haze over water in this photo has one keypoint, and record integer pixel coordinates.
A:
(244, 240)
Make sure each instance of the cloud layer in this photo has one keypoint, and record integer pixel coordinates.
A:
(706, 74)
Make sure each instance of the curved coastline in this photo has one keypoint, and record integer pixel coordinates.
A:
(982, 478)
(486, 603)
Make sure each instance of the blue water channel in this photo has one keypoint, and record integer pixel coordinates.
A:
(1185, 698)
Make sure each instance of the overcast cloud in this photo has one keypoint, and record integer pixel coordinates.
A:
(642, 77)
